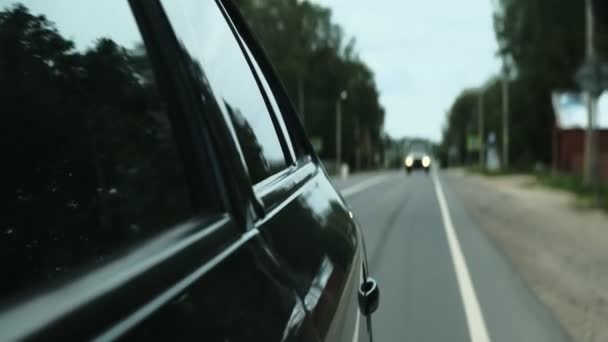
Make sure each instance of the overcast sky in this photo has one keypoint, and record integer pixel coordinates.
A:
(423, 53)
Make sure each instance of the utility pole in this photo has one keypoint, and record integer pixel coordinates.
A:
(590, 47)
(357, 144)
(505, 101)
(481, 128)
(594, 165)
(468, 158)
(343, 96)
(590, 156)
(592, 77)
(505, 118)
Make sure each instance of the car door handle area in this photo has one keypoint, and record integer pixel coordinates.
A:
(369, 296)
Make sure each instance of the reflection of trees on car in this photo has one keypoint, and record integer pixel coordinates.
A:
(252, 150)
(84, 139)
(316, 63)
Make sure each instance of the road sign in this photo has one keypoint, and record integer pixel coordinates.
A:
(472, 143)
(593, 77)
(317, 144)
(491, 138)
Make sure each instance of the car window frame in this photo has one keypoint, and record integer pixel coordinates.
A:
(161, 43)
(215, 227)
(273, 190)
(192, 132)
(277, 122)
(288, 113)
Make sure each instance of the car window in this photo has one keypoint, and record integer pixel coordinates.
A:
(90, 165)
(418, 147)
(296, 147)
(272, 101)
(207, 38)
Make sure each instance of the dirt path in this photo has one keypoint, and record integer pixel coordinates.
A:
(560, 250)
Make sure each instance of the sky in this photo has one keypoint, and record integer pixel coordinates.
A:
(423, 54)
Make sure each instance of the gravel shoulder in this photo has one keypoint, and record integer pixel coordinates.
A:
(559, 249)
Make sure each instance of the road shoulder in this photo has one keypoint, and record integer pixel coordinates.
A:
(558, 249)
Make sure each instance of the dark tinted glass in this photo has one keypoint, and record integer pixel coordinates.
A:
(202, 30)
(297, 147)
(418, 147)
(89, 164)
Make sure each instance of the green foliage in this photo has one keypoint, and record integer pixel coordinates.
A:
(498, 173)
(574, 184)
(565, 182)
(461, 121)
(543, 44)
(315, 64)
(543, 38)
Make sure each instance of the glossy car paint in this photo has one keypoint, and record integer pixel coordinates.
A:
(312, 221)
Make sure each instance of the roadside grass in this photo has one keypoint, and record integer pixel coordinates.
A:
(570, 183)
(507, 172)
(574, 184)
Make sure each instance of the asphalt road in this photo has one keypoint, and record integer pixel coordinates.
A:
(441, 278)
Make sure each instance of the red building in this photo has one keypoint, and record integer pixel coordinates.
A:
(570, 130)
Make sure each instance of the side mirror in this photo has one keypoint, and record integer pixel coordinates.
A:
(369, 297)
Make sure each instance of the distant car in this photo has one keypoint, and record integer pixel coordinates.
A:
(157, 184)
(417, 158)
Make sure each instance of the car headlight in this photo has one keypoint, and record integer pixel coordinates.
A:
(409, 161)
(426, 161)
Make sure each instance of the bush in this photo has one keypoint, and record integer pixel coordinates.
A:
(574, 184)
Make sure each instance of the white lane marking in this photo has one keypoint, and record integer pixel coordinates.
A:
(356, 335)
(475, 320)
(351, 190)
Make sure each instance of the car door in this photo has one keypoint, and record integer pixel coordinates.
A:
(306, 223)
(247, 297)
(120, 215)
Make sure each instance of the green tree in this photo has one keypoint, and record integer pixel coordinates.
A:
(315, 63)
(544, 43)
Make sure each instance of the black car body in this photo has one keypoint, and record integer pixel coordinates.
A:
(158, 186)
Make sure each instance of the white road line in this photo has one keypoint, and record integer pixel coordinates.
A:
(351, 190)
(475, 320)
(356, 334)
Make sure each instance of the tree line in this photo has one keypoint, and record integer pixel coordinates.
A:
(542, 44)
(316, 62)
